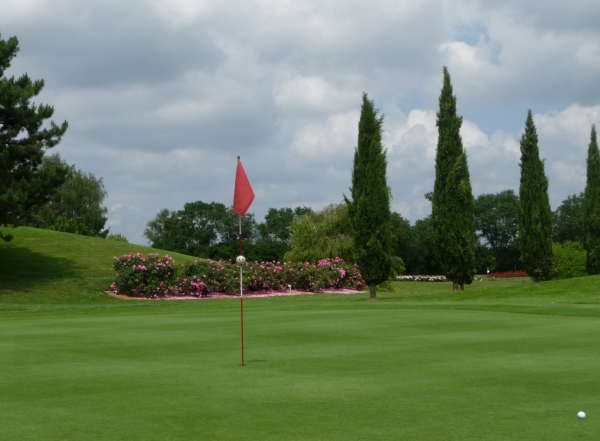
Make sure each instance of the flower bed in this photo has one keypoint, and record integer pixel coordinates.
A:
(421, 279)
(156, 277)
(507, 274)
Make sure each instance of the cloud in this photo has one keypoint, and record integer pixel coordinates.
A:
(162, 96)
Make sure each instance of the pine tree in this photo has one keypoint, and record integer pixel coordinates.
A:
(23, 142)
(535, 216)
(452, 199)
(591, 207)
(369, 208)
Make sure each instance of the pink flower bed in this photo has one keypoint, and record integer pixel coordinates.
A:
(158, 277)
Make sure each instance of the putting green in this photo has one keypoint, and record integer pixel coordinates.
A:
(318, 368)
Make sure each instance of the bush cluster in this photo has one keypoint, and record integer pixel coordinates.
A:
(157, 277)
(141, 276)
(568, 260)
(507, 274)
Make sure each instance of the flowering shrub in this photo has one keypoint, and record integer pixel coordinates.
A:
(137, 275)
(507, 274)
(202, 277)
(421, 278)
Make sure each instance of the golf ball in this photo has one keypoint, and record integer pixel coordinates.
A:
(581, 415)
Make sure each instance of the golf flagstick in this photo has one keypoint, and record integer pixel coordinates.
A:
(242, 198)
(242, 293)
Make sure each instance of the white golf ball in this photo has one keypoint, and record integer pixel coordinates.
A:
(581, 415)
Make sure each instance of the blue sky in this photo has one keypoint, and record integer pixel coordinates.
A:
(162, 95)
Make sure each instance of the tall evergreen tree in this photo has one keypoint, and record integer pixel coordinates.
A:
(535, 216)
(369, 208)
(591, 206)
(23, 142)
(452, 199)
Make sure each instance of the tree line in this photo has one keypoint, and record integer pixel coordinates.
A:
(462, 235)
(210, 230)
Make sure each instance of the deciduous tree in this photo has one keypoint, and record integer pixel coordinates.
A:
(321, 234)
(567, 220)
(77, 206)
(496, 223)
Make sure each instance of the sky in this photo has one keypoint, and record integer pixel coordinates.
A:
(161, 96)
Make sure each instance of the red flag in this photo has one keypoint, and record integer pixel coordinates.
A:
(243, 195)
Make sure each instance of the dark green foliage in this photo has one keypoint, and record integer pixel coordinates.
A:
(277, 223)
(199, 226)
(211, 230)
(591, 206)
(322, 234)
(452, 199)
(422, 257)
(76, 207)
(369, 208)
(567, 220)
(267, 250)
(496, 224)
(535, 216)
(568, 260)
(460, 235)
(401, 236)
(23, 142)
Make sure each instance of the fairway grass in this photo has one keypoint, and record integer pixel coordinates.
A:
(503, 360)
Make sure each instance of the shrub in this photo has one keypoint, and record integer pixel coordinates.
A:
(118, 237)
(141, 277)
(398, 267)
(568, 260)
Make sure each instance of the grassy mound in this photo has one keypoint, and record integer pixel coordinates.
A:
(48, 267)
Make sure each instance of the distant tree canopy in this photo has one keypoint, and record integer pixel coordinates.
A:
(497, 227)
(76, 206)
(277, 223)
(567, 221)
(211, 230)
(23, 142)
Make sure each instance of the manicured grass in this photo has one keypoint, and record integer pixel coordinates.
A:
(503, 360)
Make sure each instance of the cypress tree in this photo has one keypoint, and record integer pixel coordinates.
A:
(535, 216)
(452, 199)
(369, 208)
(591, 207)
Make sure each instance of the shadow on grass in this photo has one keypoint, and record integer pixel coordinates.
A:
(22, 269)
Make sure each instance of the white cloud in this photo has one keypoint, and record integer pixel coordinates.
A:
(323, 142)
(182, 12)
(310, 94)
(162, 103)
(567, 173)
